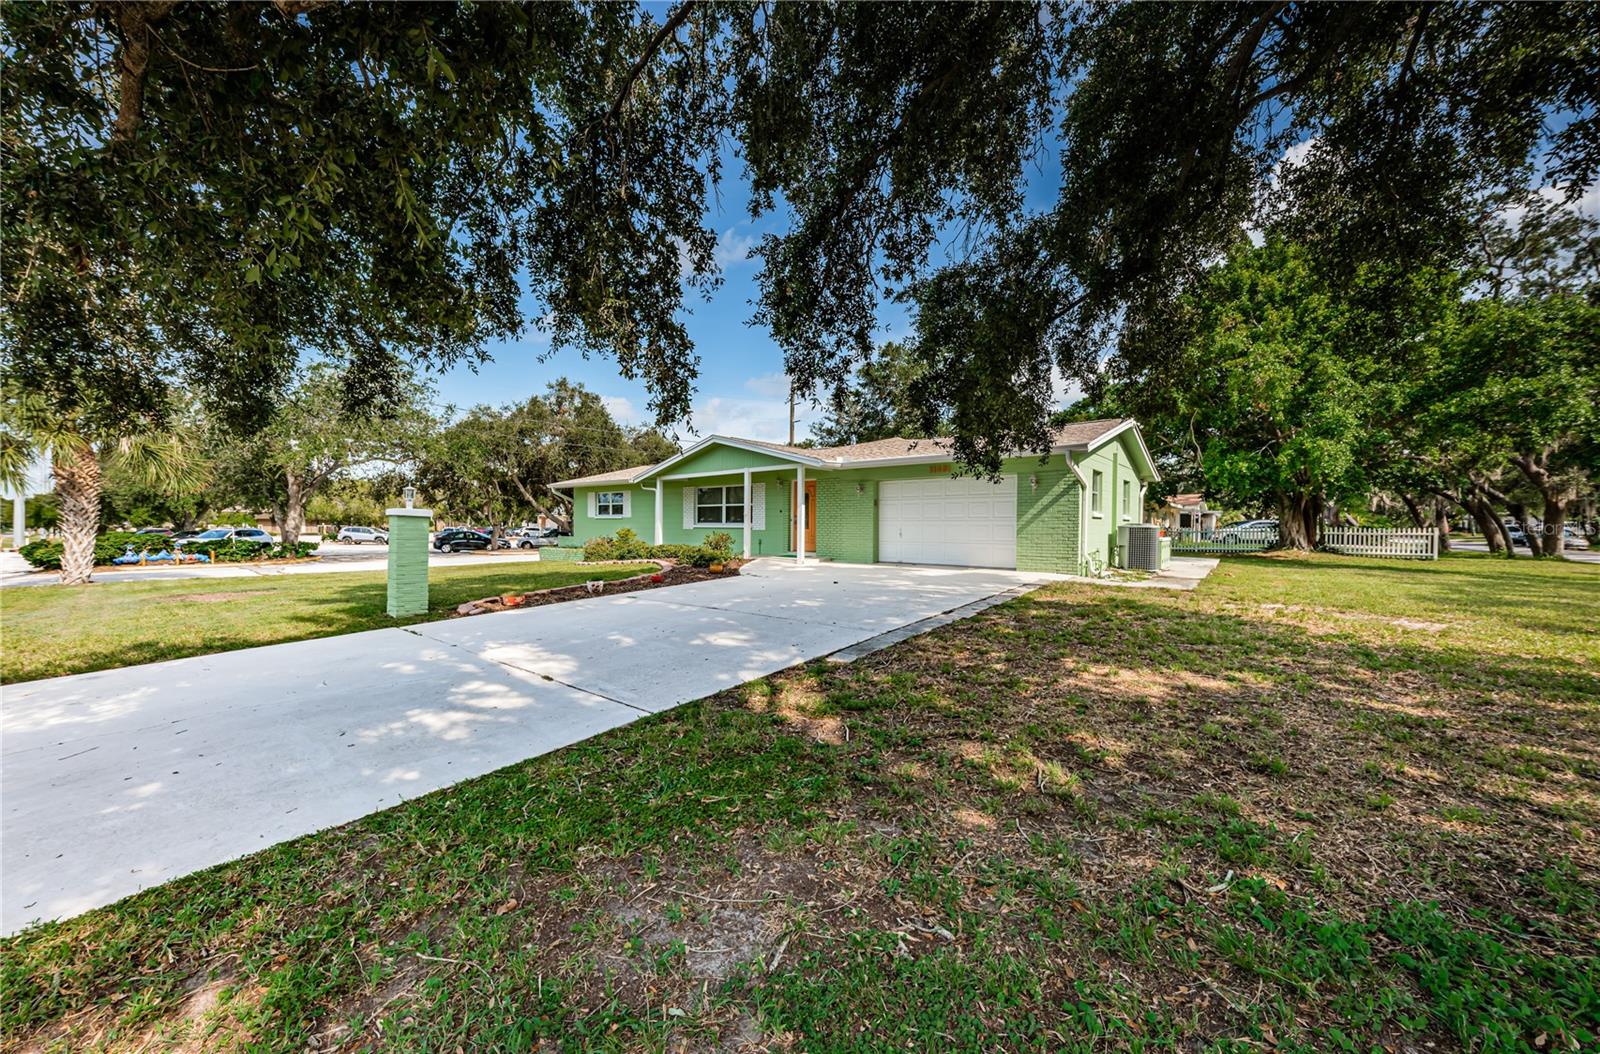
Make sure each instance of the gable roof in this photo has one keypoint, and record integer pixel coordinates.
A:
(619, 475)
(1076, 436)
(1088, 433)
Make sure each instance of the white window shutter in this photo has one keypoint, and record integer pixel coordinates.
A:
(627, 503)
(758, 506)
(592, 503)
(688, 508)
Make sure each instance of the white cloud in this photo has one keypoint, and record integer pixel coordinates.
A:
(733, 249)
(765, 419)
(1296, 155)
(770, 385)
(622, 409)
(1587, 203)
(1063, 392)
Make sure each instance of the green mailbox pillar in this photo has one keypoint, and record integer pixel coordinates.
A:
(408, 561)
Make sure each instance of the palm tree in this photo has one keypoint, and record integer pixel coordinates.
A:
(32, 430)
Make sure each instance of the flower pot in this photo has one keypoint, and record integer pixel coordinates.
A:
(715, 568)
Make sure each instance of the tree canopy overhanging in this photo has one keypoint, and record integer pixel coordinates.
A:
(216, 191)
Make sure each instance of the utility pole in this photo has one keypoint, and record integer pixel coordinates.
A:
(791, 415)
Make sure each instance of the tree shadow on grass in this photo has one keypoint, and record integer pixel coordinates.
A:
(1468, 755)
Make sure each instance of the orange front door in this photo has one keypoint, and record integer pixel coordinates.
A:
(811, 515)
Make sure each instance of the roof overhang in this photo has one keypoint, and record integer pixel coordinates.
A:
(1151, 473)
(737, 444)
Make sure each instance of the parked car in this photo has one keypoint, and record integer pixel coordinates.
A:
(460, 538)
(223, 534)
(1573, 538)
(1249, 525)
(182, 536)
(155, 530)
(357, 535)
(528, 538)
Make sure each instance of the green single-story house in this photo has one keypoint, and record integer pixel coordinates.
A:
(887, 501)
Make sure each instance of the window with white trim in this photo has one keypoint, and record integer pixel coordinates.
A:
(719, 506)
(1127, 498)
(1097, 493)
(610, 503)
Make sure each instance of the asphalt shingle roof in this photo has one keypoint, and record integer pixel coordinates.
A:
(1073, 434)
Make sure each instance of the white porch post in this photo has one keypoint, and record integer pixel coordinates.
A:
(749, 506)
(800, 514)
(661, 497)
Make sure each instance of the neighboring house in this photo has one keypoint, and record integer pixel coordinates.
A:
(887, 501)
(1186, 512)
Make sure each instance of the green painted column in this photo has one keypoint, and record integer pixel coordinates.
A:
(408, 561)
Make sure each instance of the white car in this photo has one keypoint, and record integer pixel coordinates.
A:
(357, 535)
(222, 534)
(1572, 538)
(1249, 525)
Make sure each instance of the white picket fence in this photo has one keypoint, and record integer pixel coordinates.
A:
(1224, 540)
(1408, 543)
(1405, 543)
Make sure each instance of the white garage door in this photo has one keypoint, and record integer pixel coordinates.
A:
(968, 522)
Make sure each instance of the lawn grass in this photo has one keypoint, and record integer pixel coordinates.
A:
(1318, 804)
(54, 630)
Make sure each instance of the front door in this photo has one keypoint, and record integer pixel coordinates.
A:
(811, 515)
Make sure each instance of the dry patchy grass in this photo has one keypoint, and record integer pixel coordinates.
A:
(1317, 804)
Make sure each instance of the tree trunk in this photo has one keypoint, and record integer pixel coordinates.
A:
(1536, 468)
(77, 480)
(1414, 509)
(1488, 525)
(1485, 498)
(289, 515)
(1520, 511)
(1441, 523)
(1297, 521)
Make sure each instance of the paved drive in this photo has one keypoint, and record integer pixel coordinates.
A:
(111, 782)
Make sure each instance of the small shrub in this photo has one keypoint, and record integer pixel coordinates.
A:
(46, 552)
(627, 545)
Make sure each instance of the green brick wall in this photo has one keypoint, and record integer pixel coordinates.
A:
(408, 565)
(847, 518)
(1048, 518)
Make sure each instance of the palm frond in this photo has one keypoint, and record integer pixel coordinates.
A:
(163, 461)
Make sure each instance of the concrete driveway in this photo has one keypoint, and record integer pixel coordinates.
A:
(112, 782)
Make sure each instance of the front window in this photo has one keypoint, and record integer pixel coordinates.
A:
(1127, 497)
(608, 503)
(1097, 494)
(718, 506)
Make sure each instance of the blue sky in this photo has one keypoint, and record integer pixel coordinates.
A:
(741, 389)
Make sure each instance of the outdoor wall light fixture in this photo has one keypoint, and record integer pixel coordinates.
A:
(1033, 481)
(410, 494)
(861, 488)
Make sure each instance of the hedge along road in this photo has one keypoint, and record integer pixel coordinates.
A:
(332, 556)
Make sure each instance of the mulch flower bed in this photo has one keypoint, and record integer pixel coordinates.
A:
(670, 574)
